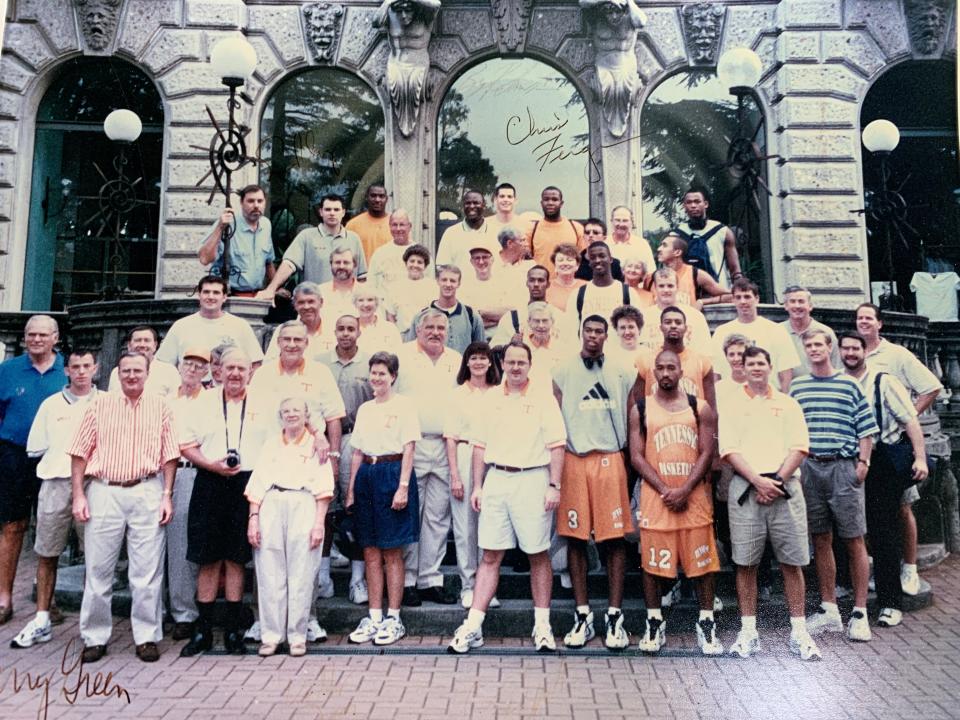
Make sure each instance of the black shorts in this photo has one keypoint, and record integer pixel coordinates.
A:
(217, 520)
(19, 486)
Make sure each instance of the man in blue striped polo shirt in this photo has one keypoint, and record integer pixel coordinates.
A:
(841, 428)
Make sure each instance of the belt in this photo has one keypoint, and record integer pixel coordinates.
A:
(185, 464)
(283, 489)
(463, 442)
(123, 483)
(374, 459)
(828, 458)
(432, 436)
(512, 469)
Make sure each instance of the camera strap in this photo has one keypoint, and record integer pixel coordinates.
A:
(226, 425)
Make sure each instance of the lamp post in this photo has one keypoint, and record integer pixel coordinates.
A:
(233, 60)
(739, 69)
(117, 197)
(885, 206)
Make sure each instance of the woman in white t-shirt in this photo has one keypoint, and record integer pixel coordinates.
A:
(376, 332)
(289, 492)
(478, 373)
(382, 497)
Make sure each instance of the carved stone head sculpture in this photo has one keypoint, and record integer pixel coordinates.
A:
(927, 22)
(98, 21)
(702, 26)
(322, 21)
(406, 11)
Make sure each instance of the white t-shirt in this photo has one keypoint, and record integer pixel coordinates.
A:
(52, 432)
(764, 333)
(405, 298)
(383, 428)
(163, 379)
(459, 239)
(936, 295)
(336, 303)
(496, 292)
(634, 249)
(382, 336)
(386, 266)
(196, 331)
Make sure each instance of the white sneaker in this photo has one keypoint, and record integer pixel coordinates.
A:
(358, 592)
(859, 627)
(617, 637)
(672, 596)
(253, 632)
(337, 558)
(717, 604)
(391, 630)
(654, 636)
(823, 622)
(582, 631)
(494, 603)
(803, 645)
(465, 639)
(707, 638)
(910, 582)
(365, 632)
(746, 644)
(325, 588)
(315, 633)
(32, 634)
(890, 617)
(466, 598)
(543, 640)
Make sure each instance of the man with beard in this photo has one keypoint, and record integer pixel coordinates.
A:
(251, 246)
(373, 225)
(338, 293)
(672, 446)
(719, 258)
(553, 229)
(697, 377)
(472, 231)
(624, 244)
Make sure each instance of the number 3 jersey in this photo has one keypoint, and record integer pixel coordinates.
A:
(672, 449)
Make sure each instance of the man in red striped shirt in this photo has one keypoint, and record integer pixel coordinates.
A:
(124, 443)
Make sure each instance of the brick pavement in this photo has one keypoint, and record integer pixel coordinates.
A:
(910, 672)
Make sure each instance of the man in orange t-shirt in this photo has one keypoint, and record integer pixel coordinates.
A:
(553, 229)
(372, 226)
(671, 447)
(697, 376)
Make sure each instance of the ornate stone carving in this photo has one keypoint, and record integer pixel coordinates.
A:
(323, 21)
(98, 21)
(702, 30)
(511, 17)
(409, 24)
(613, 26)
(927, 22)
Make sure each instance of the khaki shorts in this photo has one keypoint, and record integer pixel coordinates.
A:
(55, 517)
(784, 523)
(593, 497)
(511, 511)
(663, 552)
(833, 495)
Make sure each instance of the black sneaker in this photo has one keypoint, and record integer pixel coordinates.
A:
(202, 641)
(411, 597)
(234, 644)
(439, 595)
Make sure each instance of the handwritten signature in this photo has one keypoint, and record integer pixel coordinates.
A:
(552, 149)
(75, 682)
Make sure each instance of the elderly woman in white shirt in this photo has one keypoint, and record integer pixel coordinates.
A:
(289, 492)
(376, 332)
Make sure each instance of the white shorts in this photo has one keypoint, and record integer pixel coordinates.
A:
(910, 495)
(511, 511)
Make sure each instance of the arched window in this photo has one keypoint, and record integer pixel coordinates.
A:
(78, 251)
(518, 121)
(920, 98)
(687, 127)
(322, 132)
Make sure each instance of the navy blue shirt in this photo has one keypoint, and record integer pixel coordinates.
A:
(22, 389)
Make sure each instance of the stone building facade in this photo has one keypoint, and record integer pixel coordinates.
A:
(819, 59)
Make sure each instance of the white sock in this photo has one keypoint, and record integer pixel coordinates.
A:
(541, 616)
(583, 609)
(376, 615)
(830, 608)
(43, 617)
(706, 615)
(798, 625)
(860, 609)
(475, 618)
(748, 624)
(613, 611)
(393, 613)
(910, 567)
(358, 570)
(325, 568)
(654, 613)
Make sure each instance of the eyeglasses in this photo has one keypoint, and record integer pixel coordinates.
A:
(193, 364)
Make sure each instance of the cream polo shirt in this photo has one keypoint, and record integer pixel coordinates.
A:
(903, 365)
(382, 336)
(290, 465)
(383, 428)
(52, 432)
(312, 381)
(430, 385)
(320, 343)
(206, 428)
(764, 429)
(519, 428)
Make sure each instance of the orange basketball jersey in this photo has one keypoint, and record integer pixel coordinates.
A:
(672, 449)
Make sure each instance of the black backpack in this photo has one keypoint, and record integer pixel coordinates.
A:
(698, 254)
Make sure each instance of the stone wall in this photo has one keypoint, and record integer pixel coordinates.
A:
(819, 56)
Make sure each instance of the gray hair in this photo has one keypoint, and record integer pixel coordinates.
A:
(540, 306)
(292, 324)
(234, 350)
(54, 327)
(308, 288)
(736, 339)
(296, 398)
(341, 250)
(429, 314)
(508, 233)
(217, 353)
(798, 289)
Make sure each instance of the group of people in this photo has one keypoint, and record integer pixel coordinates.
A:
(549, 389)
